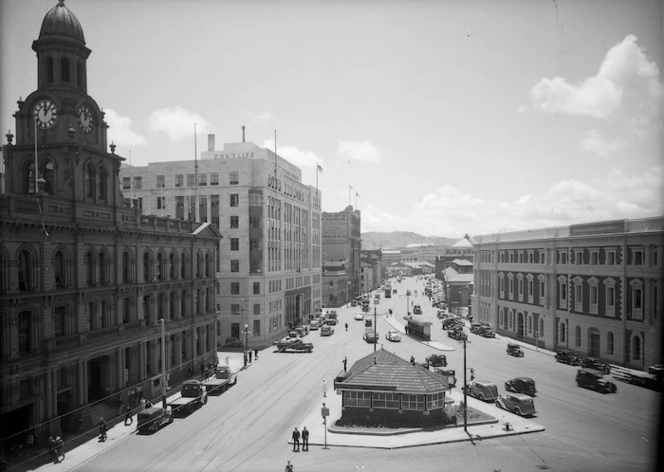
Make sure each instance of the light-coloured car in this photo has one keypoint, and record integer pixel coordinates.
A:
(359, 316)
(518, 403)
(327, 330)
(393, 336)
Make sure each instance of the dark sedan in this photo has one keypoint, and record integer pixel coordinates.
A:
(521, 385)
(567, 357)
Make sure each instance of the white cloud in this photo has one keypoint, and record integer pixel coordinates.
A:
(263, 117)
(627, 80)
(177, 123)
(297, 157)
(120, 132)
(358, 151)
(597, 143)
(451, 212)
(521, 109)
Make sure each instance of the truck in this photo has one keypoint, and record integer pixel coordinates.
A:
(192, 395)
(153, 418)
(223, 379)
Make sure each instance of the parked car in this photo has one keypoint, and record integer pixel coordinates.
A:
(152, 418)
(594, 363)
(359, 316)
(476, 327)
(314, 324)
(437, 360)
(485, 391)
(514, 350)
(449, 374)
(327, 330)
(393, 336)
(302, 330)
(594, 380)
(417, 310)
(567, 357)
(457, 334)
(521, 385)
(486, 333)
(331, 321)
(451, 323)
(517, 403)
(370, 336)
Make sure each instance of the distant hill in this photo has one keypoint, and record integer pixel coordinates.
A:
(399, 239)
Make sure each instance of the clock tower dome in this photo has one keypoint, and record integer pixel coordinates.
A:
(60, 129)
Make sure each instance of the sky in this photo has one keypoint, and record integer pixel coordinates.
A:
(444, 118)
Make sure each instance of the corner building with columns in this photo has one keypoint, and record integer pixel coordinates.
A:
(594, 289)
(84, 277)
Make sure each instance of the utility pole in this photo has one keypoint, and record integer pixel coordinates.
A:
(465, 395)
(163, 363)
(375, 329)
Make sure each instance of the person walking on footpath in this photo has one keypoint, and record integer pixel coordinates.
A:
(250, 353)
(52, 449)
(305, 439)
(143, 402)
(296, 440)
(59, 446)
(345, 361)
(289, 466)
(128, 416)
(256, 353)
(102, 429)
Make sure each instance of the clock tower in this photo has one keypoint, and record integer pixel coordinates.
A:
(60, 129)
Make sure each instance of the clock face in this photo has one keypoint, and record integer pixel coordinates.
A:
(45, 114)
(85, 119)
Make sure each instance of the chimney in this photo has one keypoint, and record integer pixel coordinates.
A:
(210, 142)
(242, 133)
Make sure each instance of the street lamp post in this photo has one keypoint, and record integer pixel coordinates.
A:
(163, 363)
(375, 329)
(465, 395)
(246, 342)
(408, 302)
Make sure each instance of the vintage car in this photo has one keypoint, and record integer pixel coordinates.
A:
(359, 316)
(486, 333)
(314, 324)
(476, 327)
(457, 334)
(594, 363)
(152, 418)
(327, 330)
(376, 301)
(567, 357)
(521, 385)
(594, 380)
(370, 336)
(302, 330)
(514, 350)
(437, 360)
(449, 374)
(451, 323)
(294, 345)
(518, 403)
(393, 335)
(417, 310)
(485, 391)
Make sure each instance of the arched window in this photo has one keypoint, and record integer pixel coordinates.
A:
(172, 314)
(103, 268)
(577, 335)
(90, 181)
(60, 321)
(49, 174)
(147, 269)
(541, 327)
(183, 266)
(29, 176)
(199, 264)
(609, 343)
(64, 70)
(147, 310)
(172, 265)
(49, 70)
(126, 268)
(90, 268)
(59, 270)
(102, 183)
(25, 276)
(208, 269)
(160, 306)
(183, 304)
(529, 324)
(160, 266)
(636, 348)
(563, 332)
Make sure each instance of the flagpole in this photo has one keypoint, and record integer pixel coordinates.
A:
(196, 215)
(36, 161)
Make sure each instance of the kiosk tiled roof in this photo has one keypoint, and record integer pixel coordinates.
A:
(385, 371)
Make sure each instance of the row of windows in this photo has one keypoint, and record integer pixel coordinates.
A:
(160, 180)
(393, 401)
(636, 256)
(99, 268)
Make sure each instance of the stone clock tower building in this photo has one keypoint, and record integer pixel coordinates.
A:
(84, 278)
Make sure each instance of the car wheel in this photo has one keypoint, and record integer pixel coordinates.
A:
(517, 411)
(499, 405)
(480, 396)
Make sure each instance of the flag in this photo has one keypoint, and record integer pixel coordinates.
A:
(357, 195)
(319, 168)
(350, 186)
